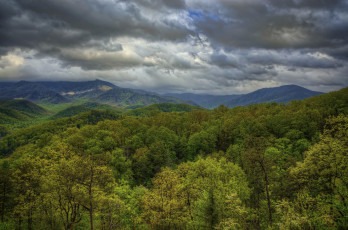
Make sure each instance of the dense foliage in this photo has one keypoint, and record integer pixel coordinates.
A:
(154, 109)
(267, 166)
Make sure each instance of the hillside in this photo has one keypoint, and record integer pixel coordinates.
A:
(11, 116)
(49, 128)
(24, 106)
(15, 111)
(85, 107)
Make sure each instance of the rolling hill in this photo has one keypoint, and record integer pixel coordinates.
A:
(12, 111)
(77, 109)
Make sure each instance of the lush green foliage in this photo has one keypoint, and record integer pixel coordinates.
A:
(85, 107)
(267, 166)
(154, 109)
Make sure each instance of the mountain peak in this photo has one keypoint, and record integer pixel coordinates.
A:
(284, 94)
(106, 83)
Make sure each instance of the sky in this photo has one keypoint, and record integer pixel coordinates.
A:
(177, 46)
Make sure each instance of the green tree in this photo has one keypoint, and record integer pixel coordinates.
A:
(325, 170)
(164, 204)
(208, 186)
(201, 142)
(27, 180)
(6, 189)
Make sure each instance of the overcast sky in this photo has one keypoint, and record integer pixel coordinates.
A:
(199, 46)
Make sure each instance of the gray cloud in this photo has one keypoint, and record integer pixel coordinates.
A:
(155, 4)
(224, 61)
(66, 23)
(221, 46)
(272, 24)
(294, 59)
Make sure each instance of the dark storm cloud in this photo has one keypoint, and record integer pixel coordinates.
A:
(49, 26)
(66, 23)
(223, 61)
(331, 4)
(177, 44)
(294, 59)
(273, 24)
(340, 53)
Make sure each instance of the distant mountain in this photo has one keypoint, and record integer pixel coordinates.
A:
(32, 91)
(95, 91)
(84, 89)
(204, 100)
(123, 97)
(283, 94)
(78, 87)
(106, 93)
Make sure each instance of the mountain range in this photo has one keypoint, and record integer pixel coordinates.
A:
(95, 91)
(281, 94)
(107, 93)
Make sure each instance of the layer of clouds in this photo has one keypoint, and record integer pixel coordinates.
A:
(201, 46)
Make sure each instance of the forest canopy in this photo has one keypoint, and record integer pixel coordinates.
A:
(265, 166)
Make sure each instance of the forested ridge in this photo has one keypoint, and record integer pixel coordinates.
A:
(266, 166)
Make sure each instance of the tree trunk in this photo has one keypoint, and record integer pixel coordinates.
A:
(20, 223)
(133, 222)
(3, 202)
(189, 205)
(90, 200)
(267, 193)
(30, 222)
(91, 217)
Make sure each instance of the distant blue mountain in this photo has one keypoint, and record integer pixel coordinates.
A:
(204, 100)
(56, 92)
(280, 94)
(105, 92)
